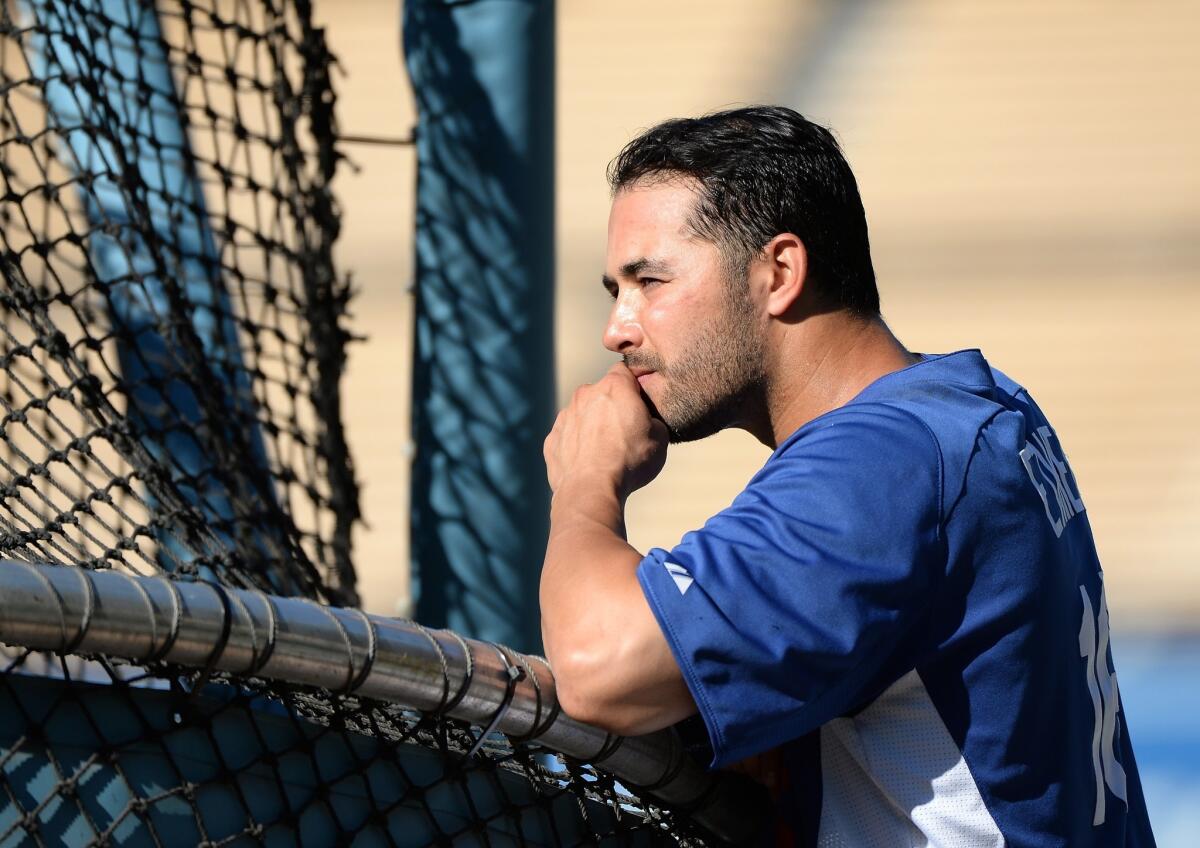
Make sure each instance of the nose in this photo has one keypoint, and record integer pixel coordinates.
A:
(624, 329)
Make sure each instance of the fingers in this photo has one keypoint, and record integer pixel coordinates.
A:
(618, 381)
(621, 373)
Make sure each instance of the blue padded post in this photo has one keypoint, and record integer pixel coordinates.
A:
(483, 380)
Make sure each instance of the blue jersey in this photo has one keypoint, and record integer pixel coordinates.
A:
(907, 596)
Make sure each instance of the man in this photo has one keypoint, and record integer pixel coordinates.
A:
(906, 598)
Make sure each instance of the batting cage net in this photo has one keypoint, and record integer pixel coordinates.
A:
(172, 334)
(172, 321)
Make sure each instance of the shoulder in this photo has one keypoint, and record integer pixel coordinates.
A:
(972, 416)
(864, 441)
(854, 472)
(861, 424)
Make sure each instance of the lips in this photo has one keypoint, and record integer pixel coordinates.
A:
(642, 375)
(638, 367)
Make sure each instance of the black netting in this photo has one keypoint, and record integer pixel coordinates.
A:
(124, 763)
(172, 329)
(171, 340)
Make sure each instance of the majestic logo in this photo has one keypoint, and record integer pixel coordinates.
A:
(681, 576)
(1051, 476)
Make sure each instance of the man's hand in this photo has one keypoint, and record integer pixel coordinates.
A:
(607, 433)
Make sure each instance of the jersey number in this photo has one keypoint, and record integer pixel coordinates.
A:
(1102, 684)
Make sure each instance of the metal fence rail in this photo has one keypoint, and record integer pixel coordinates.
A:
(252, 634)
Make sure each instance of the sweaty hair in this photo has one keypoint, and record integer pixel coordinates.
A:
(762, 171)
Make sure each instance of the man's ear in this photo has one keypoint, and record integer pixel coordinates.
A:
(787, 264)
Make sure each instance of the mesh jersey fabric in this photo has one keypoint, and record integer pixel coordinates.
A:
(930, 531)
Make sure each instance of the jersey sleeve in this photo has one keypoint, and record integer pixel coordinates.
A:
(782, 610)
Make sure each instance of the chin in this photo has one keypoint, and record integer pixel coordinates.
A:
(692, 431)
(714, 419)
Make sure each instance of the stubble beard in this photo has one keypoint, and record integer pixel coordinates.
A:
(711, 385)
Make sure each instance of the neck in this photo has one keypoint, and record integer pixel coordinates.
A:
(819, 365)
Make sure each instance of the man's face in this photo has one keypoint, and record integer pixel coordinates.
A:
(691, 336)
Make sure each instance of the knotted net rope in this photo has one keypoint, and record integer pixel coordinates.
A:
(172, 324)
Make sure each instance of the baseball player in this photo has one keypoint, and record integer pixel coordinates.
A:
(904, 607)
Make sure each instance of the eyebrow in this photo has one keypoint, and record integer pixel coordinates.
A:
(637, 266)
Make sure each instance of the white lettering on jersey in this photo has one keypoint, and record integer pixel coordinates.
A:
(1106, 700)
(681, 576)
(1046, 467)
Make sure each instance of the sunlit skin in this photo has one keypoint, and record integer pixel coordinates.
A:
(675, 322)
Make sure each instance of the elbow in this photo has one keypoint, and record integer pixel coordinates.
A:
(576, 690)
(584, 695)
(577, 703)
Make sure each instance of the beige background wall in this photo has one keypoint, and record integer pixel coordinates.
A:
(1032, 184)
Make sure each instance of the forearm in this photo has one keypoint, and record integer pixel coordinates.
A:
(612, 664)
(589, 571)
(611, 661)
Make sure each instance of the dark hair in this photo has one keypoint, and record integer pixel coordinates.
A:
(765, 170)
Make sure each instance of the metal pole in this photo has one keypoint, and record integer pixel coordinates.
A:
(243, 632)
(483, 379)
